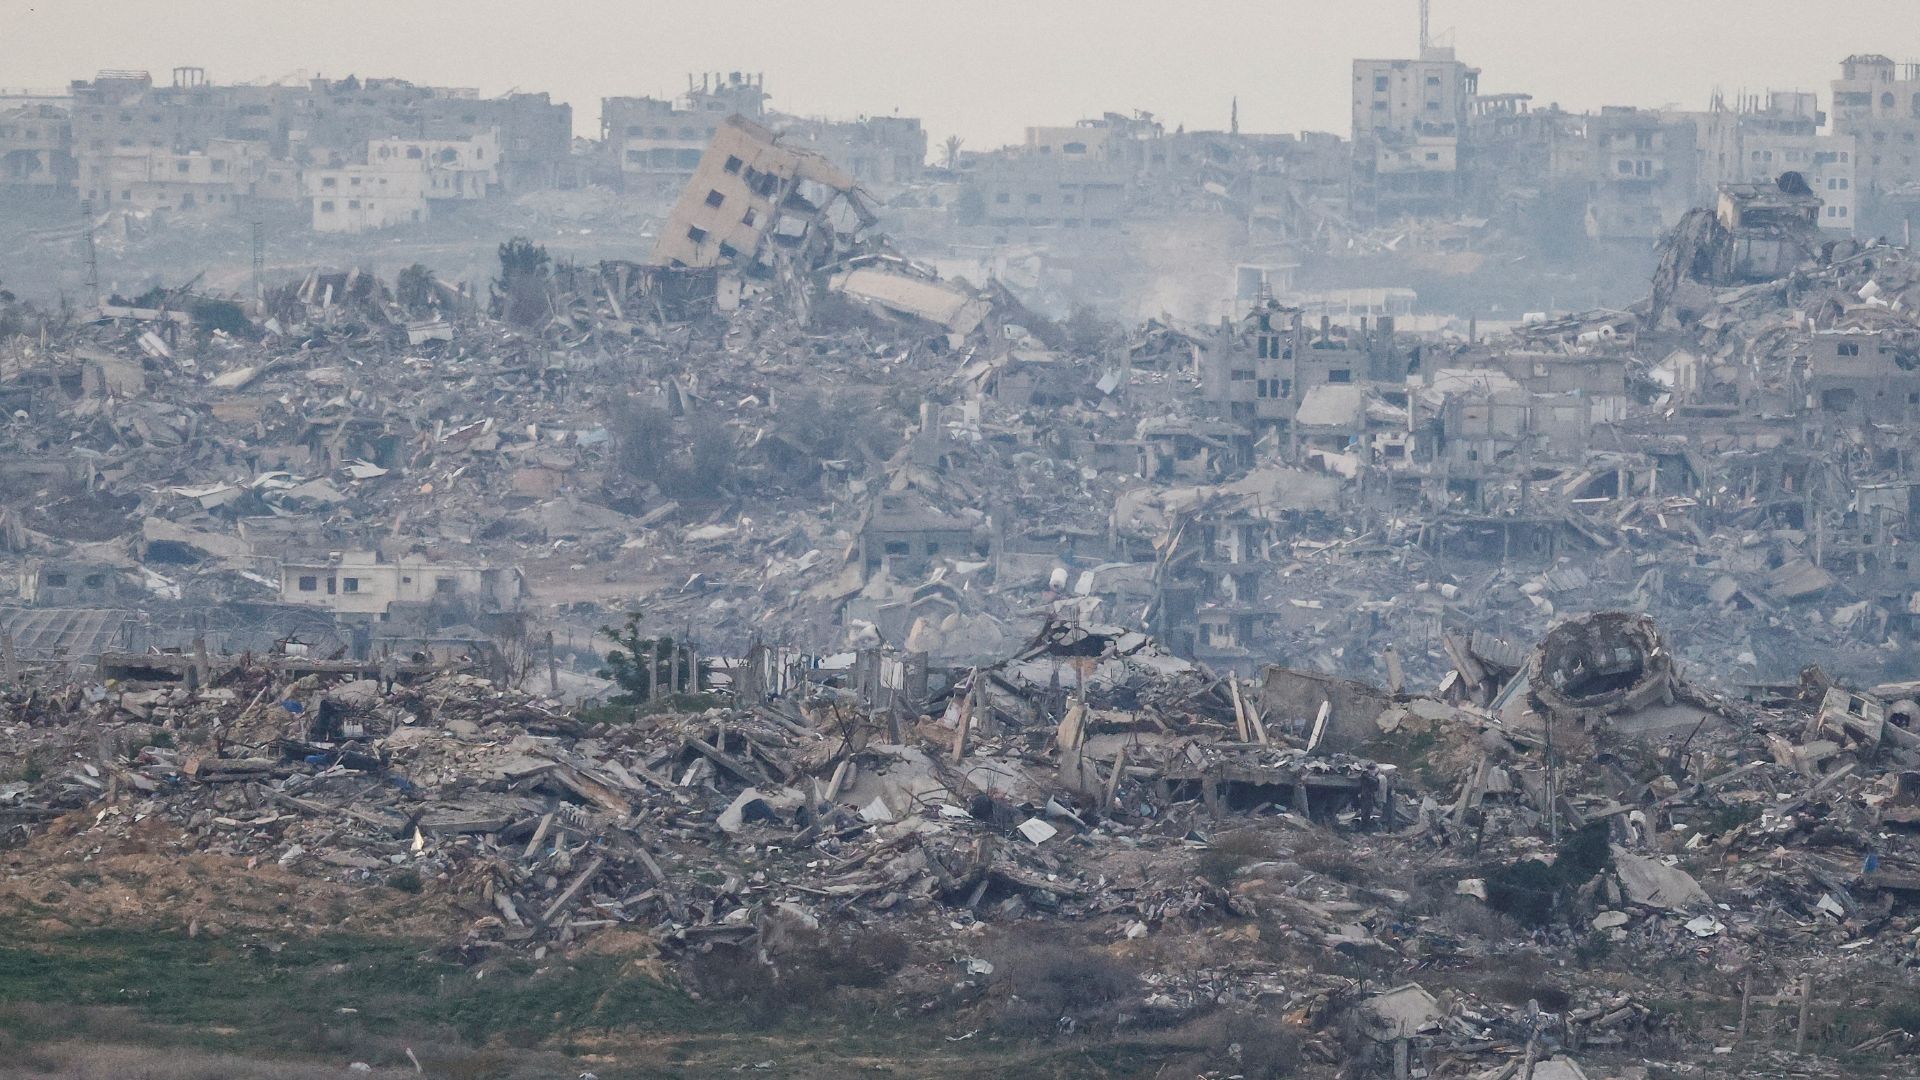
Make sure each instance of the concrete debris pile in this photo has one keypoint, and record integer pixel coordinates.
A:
(812, 440)
(541, 825)
(1361, 651)
(155, 466)
(1405, 877)
(1723, 457)
(777, 430)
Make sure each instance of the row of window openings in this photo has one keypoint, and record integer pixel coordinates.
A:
(1034, 198)
(1852, 348)
(352, 181)
(1282, 388)
(1333, 375)
(158, 144)
(1070, 223)
(716, 199)
(635, 131)
(244, 110)
(1818, 157)
(763, 184)
(661, 157)
(311, 583)
(1887, 101)
(1642, 140)
(446, 156)
(1842, 399)
(186, 198)
(218, 165)
(1849, 348)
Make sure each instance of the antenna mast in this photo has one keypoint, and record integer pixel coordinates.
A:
(259, 259)
(93, 258)
(1425, 13)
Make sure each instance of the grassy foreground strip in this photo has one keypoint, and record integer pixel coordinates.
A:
(329, 1000)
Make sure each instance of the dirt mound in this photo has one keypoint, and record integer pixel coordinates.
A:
(79, 875)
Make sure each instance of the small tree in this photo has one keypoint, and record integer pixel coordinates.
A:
(521, 257)
(225, 316)
(11, 322)
(1087, 333)
(970, 207)
(641, 666)
(712, 459)
(642, 434)
(523, 280)
(414, 289)
(646, 450)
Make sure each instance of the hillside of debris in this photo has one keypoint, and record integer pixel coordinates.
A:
(779, 641)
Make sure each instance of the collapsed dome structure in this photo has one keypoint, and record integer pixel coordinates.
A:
(1603, 664)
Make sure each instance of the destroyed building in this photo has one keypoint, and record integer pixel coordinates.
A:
(1410, 120)
(361, 583)
(126, 116)
(751, 196)
(786, 584)
(1262, 368)
(649, 138)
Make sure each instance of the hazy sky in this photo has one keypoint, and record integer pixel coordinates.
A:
(981, 68)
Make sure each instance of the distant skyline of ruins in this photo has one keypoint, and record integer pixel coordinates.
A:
(1287, 64)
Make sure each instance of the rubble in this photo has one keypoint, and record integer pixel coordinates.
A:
(1072, 784)
(1323, 670)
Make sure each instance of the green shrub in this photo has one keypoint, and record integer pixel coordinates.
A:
(1047, 987)
(1227, 855)
(1731, 816)
(1538, 893)
(808, 970)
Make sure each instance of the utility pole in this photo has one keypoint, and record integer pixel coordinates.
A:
(93, 257)
(1553, 781)
(1746, 1002)
(1806, 1005)
(259, 260)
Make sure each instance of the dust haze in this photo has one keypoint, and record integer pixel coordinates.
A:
(1304, 540)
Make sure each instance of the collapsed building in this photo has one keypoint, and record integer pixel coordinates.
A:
(1086, 785)
(751, 195)
(324, 585)
(1755, 233)
(1276, 487)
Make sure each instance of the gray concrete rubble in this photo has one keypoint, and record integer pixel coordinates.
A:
(1089, 782)
(1507, 704)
